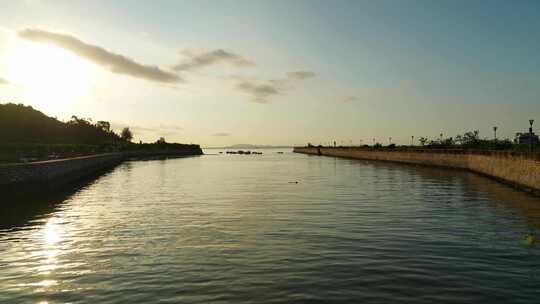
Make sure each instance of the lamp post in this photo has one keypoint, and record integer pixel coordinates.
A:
(495, 133)
(412, 140)
(531, 121)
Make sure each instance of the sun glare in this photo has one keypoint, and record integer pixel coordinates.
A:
(47, 74)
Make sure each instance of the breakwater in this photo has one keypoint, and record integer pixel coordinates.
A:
(45, 175)
(521, 170)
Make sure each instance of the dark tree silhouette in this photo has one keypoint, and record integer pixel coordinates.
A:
(26, 133)
(103, 125)
(23, 124)
(126, 134)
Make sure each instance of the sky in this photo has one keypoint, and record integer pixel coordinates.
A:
(277, 72)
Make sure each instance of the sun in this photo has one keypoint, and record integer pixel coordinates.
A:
(47, 74)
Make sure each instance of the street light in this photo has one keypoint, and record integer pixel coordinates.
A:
(495, 133)
(531, 121)
(412, 140)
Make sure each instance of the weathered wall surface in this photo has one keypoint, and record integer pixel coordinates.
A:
(54, 172)
(14, 177)
(519, 169)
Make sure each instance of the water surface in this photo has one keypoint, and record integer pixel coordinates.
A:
(272, 228)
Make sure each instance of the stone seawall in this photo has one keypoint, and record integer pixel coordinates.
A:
(44, 175)
(521, 170)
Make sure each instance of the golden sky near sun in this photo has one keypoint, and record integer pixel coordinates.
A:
(47, 73)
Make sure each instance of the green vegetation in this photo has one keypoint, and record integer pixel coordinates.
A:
(27, 134)
(472, 141)
(467, 141)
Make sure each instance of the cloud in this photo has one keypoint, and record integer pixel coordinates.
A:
(260, 92)
(300, 75)
(170, 127)
(199, 60)
(221, 134)
(115, 63)
(135, 129)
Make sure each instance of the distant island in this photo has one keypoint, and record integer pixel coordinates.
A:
(250, 146)
(27, 134)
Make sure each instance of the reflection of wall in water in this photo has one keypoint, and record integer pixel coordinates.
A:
(17, 212)
(466, 187)
(519, 169)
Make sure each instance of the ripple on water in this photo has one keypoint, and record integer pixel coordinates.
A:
(232, 229)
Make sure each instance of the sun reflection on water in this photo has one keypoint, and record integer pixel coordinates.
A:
(50, 236)
(51, 232)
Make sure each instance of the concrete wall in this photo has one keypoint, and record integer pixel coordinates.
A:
(36, 176)
(55, 172)
(519, 169)
(68, 170)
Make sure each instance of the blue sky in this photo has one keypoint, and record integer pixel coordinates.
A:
(379, 69)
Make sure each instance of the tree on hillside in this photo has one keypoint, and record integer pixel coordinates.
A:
(103, 125)
(23, 124)
(126, 134)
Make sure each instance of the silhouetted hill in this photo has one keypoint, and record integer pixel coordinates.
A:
(24, 124)
(27, 134)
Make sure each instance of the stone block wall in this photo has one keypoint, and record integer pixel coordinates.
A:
(48, 173)
(519, 169)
